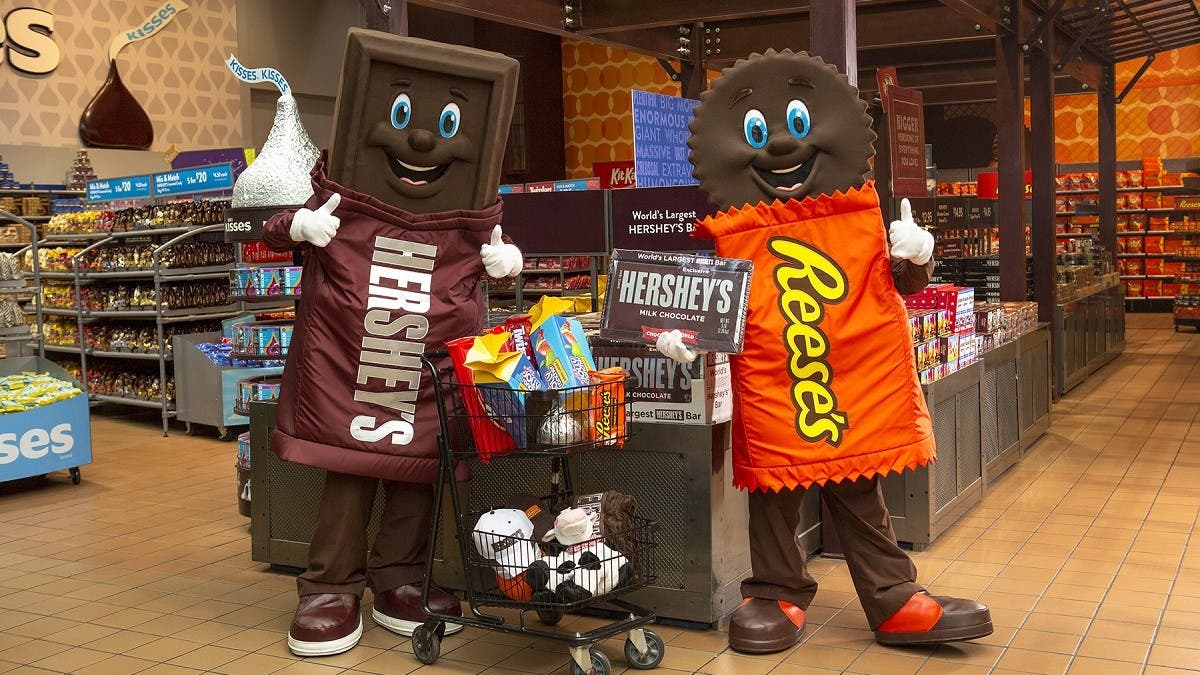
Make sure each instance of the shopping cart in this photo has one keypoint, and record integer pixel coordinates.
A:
(493, 423)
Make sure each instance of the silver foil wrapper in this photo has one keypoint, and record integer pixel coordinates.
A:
(560, 428)
(279, 176)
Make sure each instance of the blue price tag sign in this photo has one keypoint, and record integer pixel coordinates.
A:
(215, 178)
(660, 133)
(113, 189)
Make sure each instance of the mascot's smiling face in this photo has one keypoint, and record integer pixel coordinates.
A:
(426, 138)
(421, 125)
(779, 126)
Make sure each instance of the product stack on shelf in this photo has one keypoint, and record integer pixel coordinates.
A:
(942, 323)
(81, 171)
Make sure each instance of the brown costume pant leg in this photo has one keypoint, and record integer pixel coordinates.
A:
(337, 555)
(883, 574)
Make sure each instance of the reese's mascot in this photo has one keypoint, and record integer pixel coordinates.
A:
(826, 387)
(403, 221)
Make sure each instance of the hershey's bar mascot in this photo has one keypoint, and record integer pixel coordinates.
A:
(826, 387)
(403, 221)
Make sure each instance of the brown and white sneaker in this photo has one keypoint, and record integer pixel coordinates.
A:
(325, 624)
(399, 609)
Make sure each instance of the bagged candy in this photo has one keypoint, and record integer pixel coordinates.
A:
(497, 383)
(607, 410)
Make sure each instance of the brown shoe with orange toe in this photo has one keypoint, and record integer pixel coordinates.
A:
(934, 619)
(760, 626)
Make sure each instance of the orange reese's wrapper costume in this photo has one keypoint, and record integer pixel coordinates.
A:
(826, 385)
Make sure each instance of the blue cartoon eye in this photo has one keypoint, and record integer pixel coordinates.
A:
(799, 121)
(401, 111)
(448, 122)
(755, 126)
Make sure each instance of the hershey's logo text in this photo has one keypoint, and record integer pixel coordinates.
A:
(397, 303)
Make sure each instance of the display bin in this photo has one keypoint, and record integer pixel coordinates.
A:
(205, 393)
(1033, 385)
(1088, 333)
(925, 502)
(55, 437)
(1000, 423)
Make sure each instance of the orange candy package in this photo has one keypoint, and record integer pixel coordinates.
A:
(607, 407)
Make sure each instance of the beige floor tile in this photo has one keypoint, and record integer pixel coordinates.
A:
(163, 649)
(1027, 661)
(33, 650)
(253, 663)
(736, 664)
(116, 665)
(889, 664)
(821, 656)
(1116, 650)
(1083, 665)
(1123, 630)
(1174, 657)
(1044, 641)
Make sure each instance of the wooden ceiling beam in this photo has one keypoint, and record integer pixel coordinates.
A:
(626, 15)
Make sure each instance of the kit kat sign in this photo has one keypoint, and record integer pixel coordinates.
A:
(906, 141)
(615, 175)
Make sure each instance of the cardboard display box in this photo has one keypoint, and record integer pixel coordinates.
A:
(669, 392)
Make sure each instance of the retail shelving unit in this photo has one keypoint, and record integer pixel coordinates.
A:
(566, 276)
(161, 317)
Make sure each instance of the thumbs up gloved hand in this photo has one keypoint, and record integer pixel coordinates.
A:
(670, 344)
(317, 227)
(907, 239)
(501, 259)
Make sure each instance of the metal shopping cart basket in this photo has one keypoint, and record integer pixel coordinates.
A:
(492, 423)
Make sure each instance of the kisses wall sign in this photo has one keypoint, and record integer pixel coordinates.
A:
(27, 41)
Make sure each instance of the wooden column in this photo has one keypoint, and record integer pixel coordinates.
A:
(1010, 127)
(1107, 164)
(1042, 235)
(833, 35)
(389, 16)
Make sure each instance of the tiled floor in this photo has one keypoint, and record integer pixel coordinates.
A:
(1085, 553)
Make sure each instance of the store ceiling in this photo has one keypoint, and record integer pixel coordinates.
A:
(945, 48)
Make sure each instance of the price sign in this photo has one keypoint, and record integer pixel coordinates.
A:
(215, 178)
(981, 213)
(113, 189)
(924, 210)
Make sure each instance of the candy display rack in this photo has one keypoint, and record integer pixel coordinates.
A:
(63, 426)
(21, 335)
(207, 393)
(164, 241)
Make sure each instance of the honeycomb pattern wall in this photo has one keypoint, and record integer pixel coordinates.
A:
(178, 76)
(598, 122)
(1160, 117)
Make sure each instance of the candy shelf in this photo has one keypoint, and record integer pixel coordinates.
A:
(164, 243)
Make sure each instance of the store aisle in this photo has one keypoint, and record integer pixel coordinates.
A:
(1091, 567)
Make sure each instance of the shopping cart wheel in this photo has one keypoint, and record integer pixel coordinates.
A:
(76, 477)
(549, 616)
(600, 665)
(426, 643)
(655, 650)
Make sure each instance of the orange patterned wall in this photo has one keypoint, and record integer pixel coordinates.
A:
(598, 122)
(1160, 117)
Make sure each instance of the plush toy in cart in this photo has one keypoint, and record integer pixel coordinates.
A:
(569, 562)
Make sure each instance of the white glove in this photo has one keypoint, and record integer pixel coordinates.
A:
(670, 344)
(908, 240)
(500, 259)
(317, 227)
